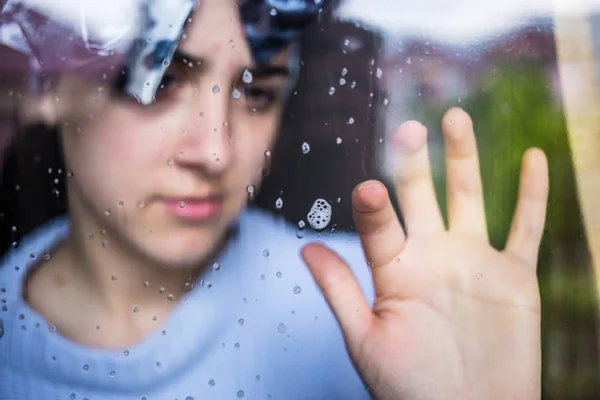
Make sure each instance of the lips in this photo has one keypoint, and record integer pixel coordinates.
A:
(194, 208)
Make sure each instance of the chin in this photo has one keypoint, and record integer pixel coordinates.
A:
(183, 249)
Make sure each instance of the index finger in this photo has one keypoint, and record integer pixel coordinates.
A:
(380, 232)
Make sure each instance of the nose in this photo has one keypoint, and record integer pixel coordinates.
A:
(206, 141)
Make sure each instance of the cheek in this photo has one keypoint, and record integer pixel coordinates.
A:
(112, 158)
(252, 142)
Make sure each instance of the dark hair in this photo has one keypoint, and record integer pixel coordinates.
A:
(32, 190)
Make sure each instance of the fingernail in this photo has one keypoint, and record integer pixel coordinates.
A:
(369, 184)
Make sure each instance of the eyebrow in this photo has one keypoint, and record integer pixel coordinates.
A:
(262, 71)
(269, 70)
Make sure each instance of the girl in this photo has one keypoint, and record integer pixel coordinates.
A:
(160, 284)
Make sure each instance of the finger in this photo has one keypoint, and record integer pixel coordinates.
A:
(341, 290)
(414, 184)
(466, 213)
(380, 233)
(528, 222)
(377, 224)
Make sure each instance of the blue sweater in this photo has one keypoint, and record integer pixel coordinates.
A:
(258, 328)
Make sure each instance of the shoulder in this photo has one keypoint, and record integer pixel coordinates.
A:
(32, 249)
(282, 240)
(296, 318)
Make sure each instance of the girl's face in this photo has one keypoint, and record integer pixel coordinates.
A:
(168, 179)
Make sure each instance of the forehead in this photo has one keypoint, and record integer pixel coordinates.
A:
(215, 34)
(215, 30)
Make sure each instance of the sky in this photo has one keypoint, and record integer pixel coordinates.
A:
(457, 20)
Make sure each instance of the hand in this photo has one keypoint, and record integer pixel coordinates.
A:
(453, 318)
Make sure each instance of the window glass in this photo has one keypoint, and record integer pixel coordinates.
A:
(165, 163)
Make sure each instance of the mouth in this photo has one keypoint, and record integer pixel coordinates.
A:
(193, 208)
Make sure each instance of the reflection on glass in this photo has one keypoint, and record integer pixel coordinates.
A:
(90, 302)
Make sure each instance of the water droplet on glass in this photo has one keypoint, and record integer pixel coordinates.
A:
(236, 94)
(319, 215)
(126, 353)
(182, 204)
(86, 367)
(247, 76)
(386, 102)
(300, 229)
(344, 72)
(241, 321)
(114, 278)
(211, 382)
(112, 374)
(342, 81)
(265, 253)
(273, 12)
(305, 148)
(136, 309)
(216, 89)
(279, 203)
(331, 91)
(297, 290)
(379, 73)
(350, 121)
(268, 153)
(479, 276)
(216, 266)
(169, 161)
(278, 274)
(397, 260)
(52, 328)
(189, 398)
(281, 328)
(338, 140)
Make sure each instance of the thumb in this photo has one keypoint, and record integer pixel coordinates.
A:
(342, 292)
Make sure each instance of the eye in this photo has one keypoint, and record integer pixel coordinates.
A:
(260, 98)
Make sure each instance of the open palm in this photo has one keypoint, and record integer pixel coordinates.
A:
(453, 317)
